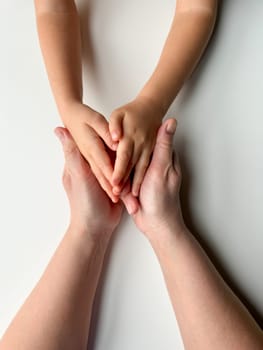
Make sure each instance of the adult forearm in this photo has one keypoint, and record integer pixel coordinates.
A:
(189, 34)
(60, 40)
(57, 313)
(208, 313)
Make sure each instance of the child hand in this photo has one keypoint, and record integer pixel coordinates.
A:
(135, 126)
(90, 131)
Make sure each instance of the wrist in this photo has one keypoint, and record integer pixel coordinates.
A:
(160, 102)
(89, 235)
(72, 110)
(168, 236)
(153, 102)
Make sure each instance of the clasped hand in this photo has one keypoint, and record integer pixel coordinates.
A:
(158, 206)
(131, 133)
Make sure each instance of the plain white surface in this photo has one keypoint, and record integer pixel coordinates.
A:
(219, 138)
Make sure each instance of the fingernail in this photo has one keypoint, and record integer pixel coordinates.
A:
(171, 127)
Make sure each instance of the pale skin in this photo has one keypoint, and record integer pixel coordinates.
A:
(57, 313)
(133, 127)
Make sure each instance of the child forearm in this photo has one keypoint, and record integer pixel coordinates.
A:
(191, 29)
(209, 315)
(60, 40)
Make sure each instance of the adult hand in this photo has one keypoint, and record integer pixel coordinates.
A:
(159, 209)
(90, 131)
(135, 127)
(90, 206)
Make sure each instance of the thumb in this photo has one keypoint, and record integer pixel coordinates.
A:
(115, 125)
(69, 146)
(163, 150)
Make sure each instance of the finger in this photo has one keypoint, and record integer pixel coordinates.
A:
(118, 189)
(140, 171)
(104, 183)
(101, 127)
(115, 125)
(131, 203)
(163, 150)
(123, 157)
(69, 146)
(102, 158)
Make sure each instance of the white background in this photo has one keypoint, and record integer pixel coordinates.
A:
(219, 138)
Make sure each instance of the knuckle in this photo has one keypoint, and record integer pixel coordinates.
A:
(70, 150)
(66, 180)
(98, 121)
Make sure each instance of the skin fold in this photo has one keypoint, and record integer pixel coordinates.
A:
(57, 313)
(133, 127)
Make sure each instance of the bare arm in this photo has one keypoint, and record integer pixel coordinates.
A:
(209, 315)
(190, 32)
(140, 119)
(60, 40)
(57, 313)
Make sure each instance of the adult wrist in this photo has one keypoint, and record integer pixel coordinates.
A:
(88, 235)
(166, 237)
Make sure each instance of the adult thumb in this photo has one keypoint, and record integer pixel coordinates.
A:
(68, 144)
(163, 150)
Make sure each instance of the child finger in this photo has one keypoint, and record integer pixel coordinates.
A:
(132, 163)
(140, 170)
(115, 125)
(101, 127)
(104, 183)
(123, 156)
(118, 189)
(103, 160)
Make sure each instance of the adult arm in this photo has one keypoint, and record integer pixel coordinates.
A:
(209, 315)
(57, 313)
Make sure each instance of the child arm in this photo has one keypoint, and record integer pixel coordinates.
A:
(60, 40)
(136, 123)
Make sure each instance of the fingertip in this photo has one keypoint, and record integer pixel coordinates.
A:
(115, 135)
(115, 199)
(116, 190)
(132, 207)
(135, 192)
(59, 133)
(171, 125)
